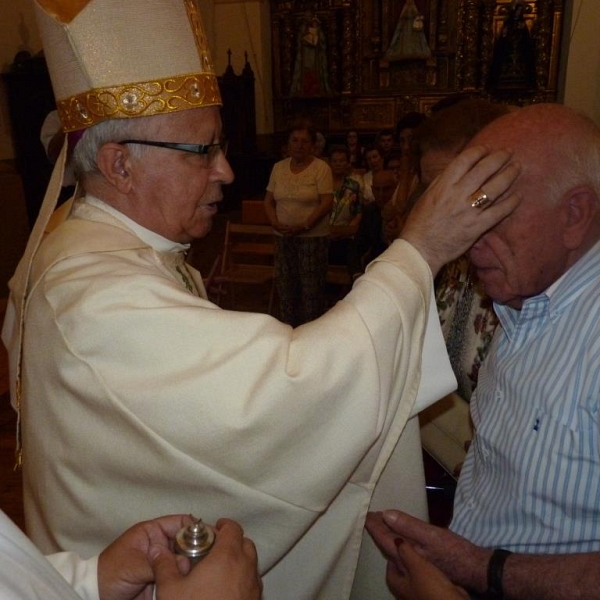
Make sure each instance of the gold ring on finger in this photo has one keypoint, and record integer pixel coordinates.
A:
(479, 198)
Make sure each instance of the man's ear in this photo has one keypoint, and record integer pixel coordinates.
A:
(113, 162)
(581, 206)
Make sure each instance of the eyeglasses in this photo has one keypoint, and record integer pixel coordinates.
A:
(209, 151)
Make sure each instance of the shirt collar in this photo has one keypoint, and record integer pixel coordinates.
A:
(154, 240)
(561, 293)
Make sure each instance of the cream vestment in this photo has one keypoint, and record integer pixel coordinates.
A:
(141, 398)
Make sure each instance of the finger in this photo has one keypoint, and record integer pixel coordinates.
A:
(406, 557)
(382, 535)
(463, 164)
(229, 535)
(164, 565)
(484, 170)
(397, 582)
(229, 527)
(494, 213)
(171, 524)
(404, 525)
(498, 184)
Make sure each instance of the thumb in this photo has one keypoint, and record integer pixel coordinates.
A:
(163, 564)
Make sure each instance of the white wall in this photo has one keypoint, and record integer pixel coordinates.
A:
(582, 86)
(245, 26)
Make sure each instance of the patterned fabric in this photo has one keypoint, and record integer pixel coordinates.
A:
(531, 480)
(347, 201)
(468, 322)
(300, 270)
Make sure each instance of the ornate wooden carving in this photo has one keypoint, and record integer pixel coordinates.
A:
(370, 91)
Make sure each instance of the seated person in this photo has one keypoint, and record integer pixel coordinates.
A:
(379, 186)
(526, 509)
(374, 162)
(346, 214)
(394, 213)
(356, 149)
(405, 129)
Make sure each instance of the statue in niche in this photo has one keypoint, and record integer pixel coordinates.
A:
(409, 41)
(310, 77)
(513, 59)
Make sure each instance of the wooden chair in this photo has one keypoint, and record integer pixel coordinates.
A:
(248, 258)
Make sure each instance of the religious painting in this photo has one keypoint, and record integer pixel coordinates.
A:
(310, 76)
(409, 41)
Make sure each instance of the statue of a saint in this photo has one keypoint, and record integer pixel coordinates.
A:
(409, 41)
(513, 62)
(310, 77)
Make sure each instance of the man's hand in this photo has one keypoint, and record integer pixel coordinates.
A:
(460, 560)
(124, 569)
(412, 577)
(443, 224)
(228, 572)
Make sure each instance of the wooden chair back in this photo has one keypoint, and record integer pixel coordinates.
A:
(248, 257)
(253, 212)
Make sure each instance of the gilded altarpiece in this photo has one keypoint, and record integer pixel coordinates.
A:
(365, 63)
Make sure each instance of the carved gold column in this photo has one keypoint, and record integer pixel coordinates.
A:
(468, 50)
(334, 55)
(541, 35)
(348, 52)
(287, 55)
(487, 40)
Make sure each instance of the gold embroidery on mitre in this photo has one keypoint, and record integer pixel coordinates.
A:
(199, 35)
(63, 11)
(140, 99)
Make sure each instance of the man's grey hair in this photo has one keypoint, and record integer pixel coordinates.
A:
(581, 164)
(114, 130)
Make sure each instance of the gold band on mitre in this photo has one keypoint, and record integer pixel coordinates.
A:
(141, 99)
(156, 61)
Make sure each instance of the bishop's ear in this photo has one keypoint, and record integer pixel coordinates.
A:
(113, 162)
(582, 212)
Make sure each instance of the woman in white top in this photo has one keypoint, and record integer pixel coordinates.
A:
(298, 201)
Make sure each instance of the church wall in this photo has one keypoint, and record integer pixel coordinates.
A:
(245, 27)
(17, 32)
(582, 87)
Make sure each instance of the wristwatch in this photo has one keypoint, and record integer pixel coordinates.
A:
(495, 571)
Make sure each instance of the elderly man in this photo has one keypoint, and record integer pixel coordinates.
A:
(125, 373)
(531, 481)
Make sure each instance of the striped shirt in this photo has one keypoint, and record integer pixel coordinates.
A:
(531, 479)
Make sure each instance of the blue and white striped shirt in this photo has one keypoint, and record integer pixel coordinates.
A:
(531, 479)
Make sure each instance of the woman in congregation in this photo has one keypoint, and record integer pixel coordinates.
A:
(298, 201)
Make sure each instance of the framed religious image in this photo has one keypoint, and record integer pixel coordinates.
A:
(409, 40)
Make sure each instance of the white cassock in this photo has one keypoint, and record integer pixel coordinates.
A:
(141, 399)
(25, 574)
